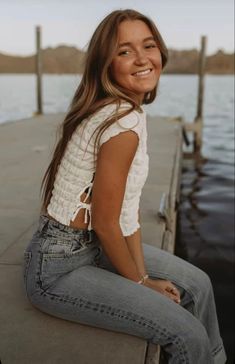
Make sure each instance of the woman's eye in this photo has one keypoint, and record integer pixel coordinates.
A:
(153, 45)
(123, 53)
(127, 52)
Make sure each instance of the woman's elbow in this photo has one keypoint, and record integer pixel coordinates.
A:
(104, 224)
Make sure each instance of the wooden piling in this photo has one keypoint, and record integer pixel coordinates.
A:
(200, 99)
(39, 71)
(201, 72)
(197, 126)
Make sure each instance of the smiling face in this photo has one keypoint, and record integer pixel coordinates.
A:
(137, 63)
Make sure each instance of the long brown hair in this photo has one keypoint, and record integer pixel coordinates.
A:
(97, 88)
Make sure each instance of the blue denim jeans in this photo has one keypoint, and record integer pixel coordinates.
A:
(67, 274)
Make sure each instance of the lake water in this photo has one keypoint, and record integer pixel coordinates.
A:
(205, 235)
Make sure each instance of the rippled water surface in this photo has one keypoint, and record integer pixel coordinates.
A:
(205, 233)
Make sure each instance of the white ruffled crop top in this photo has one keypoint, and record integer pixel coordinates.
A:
(77, 168)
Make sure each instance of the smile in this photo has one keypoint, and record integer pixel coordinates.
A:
(142, 73)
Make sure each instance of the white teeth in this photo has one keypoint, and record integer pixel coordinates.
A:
(142, 72)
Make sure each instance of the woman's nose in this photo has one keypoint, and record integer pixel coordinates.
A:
(141, 58)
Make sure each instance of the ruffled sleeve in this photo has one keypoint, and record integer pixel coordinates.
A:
(131, 121)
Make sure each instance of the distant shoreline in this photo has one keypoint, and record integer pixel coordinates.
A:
(80, 74)
(70, 60)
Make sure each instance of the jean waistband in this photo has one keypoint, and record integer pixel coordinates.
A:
(47, 225)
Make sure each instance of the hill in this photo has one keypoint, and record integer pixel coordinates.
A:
(64, 59)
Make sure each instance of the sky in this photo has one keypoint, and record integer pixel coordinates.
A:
(72, 22)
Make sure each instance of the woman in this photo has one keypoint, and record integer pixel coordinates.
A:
(85, 262)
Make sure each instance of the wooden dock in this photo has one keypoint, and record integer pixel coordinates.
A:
(29, 336)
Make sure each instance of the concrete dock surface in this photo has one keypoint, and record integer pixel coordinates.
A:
(28, 336)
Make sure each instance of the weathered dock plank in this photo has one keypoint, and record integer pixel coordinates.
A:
(25, 149)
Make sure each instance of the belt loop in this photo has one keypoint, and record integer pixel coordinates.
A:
(44, 221)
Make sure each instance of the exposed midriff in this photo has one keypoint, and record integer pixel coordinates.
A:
(78, 222)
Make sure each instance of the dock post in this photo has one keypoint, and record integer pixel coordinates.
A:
(39, 70)
(198, 121)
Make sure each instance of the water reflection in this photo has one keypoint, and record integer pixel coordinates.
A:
(205, 235)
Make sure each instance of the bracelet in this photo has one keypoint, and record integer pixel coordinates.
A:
(143, 279)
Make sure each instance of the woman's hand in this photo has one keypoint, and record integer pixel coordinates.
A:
(164, 287)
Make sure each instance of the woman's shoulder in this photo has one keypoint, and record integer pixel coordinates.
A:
(126, 121)
(115, 107)
(122, 117)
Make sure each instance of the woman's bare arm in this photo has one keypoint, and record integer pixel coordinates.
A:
(165, 287)
(135, 247)
(113, 163)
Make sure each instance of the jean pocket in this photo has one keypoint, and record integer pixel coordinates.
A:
(56, 265)
(26, 264)
(56, 247)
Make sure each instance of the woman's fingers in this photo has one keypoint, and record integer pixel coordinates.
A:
(164, 287)
(171, 296)
(173, 293)
(172, 290)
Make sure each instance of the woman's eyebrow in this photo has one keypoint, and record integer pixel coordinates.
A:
(129, 43)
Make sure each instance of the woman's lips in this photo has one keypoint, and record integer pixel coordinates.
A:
(143, 73)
